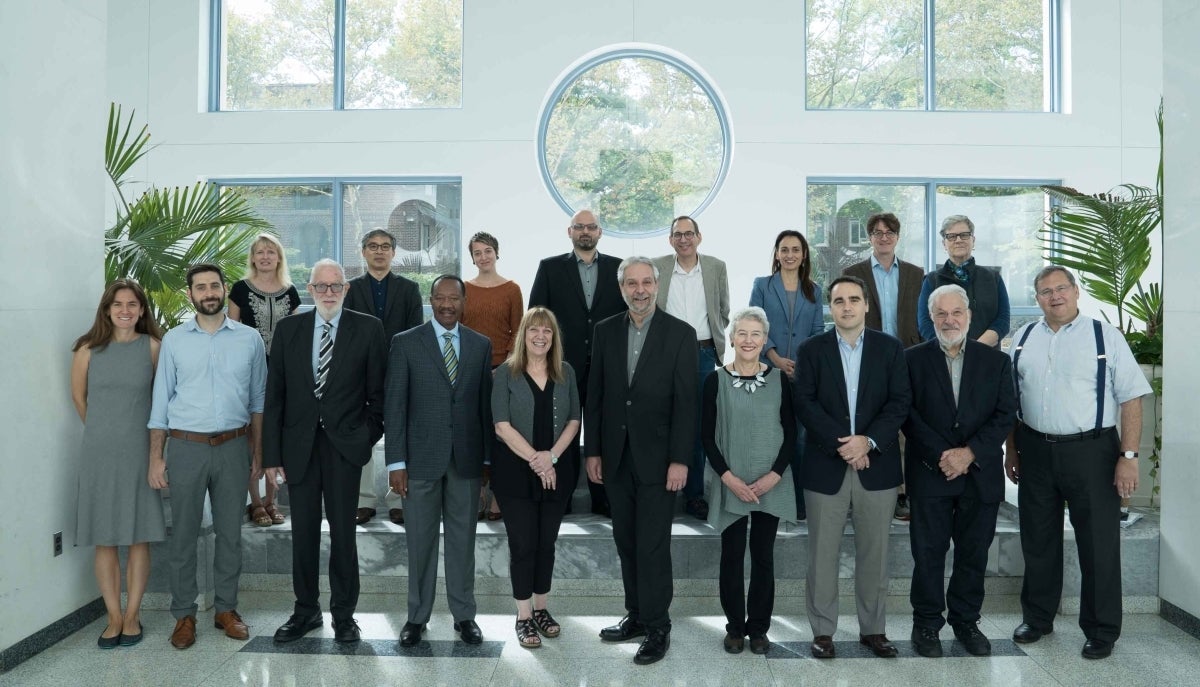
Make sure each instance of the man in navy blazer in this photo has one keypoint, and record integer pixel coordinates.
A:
(439, 437)
(852, 396)
(323, 413)
(963, 408)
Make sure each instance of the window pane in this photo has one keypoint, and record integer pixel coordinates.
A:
(403, 53)
(424, 218)
(837, 223)
(637, 140)
(866, 54)
(277, 54)
(991, 55)
(302, 216)
(1007, 220)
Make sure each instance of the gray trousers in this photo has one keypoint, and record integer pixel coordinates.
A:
(454, 501)
(194, 469)
(872, 518)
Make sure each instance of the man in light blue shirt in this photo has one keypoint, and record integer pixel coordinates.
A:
(208, 397)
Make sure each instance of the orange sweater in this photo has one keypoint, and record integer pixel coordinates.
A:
(495, 312)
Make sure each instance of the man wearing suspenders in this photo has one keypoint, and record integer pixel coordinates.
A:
(1076, 379)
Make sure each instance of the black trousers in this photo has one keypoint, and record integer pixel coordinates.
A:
(331, 477)
(641, 521)
(574, 453)
(936, 521)
(532, 528)
(756, 619)
(1079, 474)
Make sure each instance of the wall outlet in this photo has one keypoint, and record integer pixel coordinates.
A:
(58, 543)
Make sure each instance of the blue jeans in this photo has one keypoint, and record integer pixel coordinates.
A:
(694, 487)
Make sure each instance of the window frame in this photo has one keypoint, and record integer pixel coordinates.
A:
(619, 52)
(1054, 66)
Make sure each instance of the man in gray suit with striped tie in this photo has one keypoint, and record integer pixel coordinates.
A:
(438, 421)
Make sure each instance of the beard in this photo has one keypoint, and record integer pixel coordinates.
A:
(584, 242)
(951, 338)
(209, 306)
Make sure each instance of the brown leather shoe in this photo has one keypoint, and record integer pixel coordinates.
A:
(232, 623)
(822, 647)
(185, 632)
(879, 645)
(362, 515)
(396, 515)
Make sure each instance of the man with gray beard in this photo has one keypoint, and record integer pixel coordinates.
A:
(963, 407)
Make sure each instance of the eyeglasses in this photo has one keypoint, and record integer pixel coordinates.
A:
(680, 235)
(964, 236)
(889, 234)
(1060, 289)
(322, 288)
(378, 247)
(581, 227)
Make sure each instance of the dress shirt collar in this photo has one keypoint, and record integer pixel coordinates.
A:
(875, 263)
(439, 330)
(320, 321)
(192, 326)
(678, 269)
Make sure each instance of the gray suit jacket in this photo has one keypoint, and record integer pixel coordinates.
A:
(716, 294)
(429, 423)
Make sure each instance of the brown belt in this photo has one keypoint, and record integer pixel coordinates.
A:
(210, 439)
(706, 343)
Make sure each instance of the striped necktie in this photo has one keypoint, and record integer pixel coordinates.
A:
(449, 357)
(323, 358)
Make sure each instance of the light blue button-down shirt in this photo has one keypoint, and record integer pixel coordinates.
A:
(209, 383)
(319, 326)
(887, 283)
(851, 365)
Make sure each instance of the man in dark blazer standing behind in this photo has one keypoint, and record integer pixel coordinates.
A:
(325, 386)
(641, 424)
(963, 408)
(581, 289)
(852, 395)
(439, 437)
(396, 302)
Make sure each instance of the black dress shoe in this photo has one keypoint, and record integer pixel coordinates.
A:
(697, 508)
(759, 644)
(602, 510)
(363, 515)
(879, 645)
(971, 638)
(297, 626)
(1028, 634)
(346, 631)
(626, 629)
(734, 643)
(410, 634)
(1097, 648)
(926, 643)
(822, 647)
(469, 631)
(654, 647)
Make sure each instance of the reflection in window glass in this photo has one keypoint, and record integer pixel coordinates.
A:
(1007, 220)
(991, 55)
(636, 139)
(403, 54)
(277, 55)
(837, 223)
(866, 54)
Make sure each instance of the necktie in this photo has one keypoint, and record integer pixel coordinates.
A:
(323, 358)
(449, 357)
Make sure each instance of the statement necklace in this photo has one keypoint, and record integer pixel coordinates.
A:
(750, 385)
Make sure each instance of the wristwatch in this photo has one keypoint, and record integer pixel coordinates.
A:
(1129, 455)
(554, 458)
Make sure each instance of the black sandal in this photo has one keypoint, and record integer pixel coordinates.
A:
(545, 623)
(527, 634)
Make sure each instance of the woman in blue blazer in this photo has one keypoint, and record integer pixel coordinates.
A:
(793, 305)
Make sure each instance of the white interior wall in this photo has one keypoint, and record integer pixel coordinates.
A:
(51, 188)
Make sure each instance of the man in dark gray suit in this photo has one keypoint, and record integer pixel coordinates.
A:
(438, 421)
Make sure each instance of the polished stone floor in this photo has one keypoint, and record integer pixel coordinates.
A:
(1151, 652)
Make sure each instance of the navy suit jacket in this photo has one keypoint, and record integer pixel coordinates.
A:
(981, 420)
(823, 407)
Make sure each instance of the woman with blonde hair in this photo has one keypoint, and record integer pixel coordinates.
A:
(535, 405)
(111, 378)
(261, 300)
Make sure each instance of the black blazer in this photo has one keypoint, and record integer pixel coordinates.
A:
(981, 420)
(403, 310)
(823, 408)
(557, 287)
(351, 407)
(658, 412)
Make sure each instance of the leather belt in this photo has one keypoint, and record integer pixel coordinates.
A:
(1064, 438)
(706, 343)
(210, 439)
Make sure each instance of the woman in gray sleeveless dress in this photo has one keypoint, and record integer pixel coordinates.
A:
(111, 376)
(749, 434)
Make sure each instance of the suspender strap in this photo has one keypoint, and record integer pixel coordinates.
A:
(1101, 362)
(1017, 359)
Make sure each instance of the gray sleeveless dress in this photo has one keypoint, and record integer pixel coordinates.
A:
(117, 507)
(749, 435)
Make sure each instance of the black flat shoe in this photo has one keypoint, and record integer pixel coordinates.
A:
(129, 640)
(626, 629)
(108, 642)
(1028, 634)
(410, 634)
(469, 632)
(346, 631)
(1097, 648)
(297, 626)
(653, 648)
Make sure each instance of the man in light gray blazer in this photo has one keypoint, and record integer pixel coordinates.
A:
(438, 423)
(695, 289)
